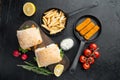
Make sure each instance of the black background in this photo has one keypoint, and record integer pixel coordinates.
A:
(107, 67)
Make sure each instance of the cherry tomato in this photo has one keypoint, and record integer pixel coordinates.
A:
(24, 56)
(86, 66)
(16, 53)
(82, 59)
(87, 52)
(91, 60)
(96, 54)
(93, 46)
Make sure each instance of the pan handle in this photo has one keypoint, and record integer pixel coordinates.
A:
(74, 64)
(83, 9)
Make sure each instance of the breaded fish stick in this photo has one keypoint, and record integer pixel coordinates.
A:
(83, 24)
(87, 28)
(91, 32)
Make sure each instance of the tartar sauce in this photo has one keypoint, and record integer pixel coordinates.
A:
(67, 44)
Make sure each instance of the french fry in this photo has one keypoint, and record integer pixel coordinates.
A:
(53, 32)
(45, 27)
(44, 21)
(54, 21)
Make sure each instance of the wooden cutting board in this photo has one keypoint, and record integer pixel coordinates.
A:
(47, 41)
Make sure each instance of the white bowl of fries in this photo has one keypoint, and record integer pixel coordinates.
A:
(53, 21)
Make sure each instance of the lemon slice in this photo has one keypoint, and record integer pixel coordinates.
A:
(29, 9)
(58, 70)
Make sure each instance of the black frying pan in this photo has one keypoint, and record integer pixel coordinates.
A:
(67, 15)
(84, 41)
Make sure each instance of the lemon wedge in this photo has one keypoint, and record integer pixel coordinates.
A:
(29, 8)
(58, 70)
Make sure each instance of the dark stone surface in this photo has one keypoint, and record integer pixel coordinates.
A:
(107, 67)
(0, 7)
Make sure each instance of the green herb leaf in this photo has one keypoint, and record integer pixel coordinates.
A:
(38, 70)
(25, 27)
(61, 53)
(29, 68)
(28, 63)
(23, 50)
